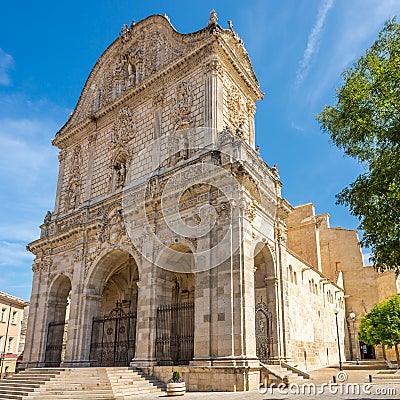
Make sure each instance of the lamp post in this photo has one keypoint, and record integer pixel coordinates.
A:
(353, 319)
(338, 339)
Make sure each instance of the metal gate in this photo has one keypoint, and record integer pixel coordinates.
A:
(175, 334)
(113, 339)
(55, 345)
(263, 333)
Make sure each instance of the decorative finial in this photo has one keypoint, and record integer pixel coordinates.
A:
(258, 149)
(275, 169)
(124, 30)
(213, 18)
(230, 25)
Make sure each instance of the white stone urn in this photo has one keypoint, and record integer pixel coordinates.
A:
(176, 388)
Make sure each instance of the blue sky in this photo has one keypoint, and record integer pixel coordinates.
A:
(298, 49)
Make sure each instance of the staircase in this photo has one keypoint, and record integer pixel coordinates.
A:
(77, 383)
(277, 373)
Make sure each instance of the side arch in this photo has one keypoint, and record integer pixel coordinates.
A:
(57, 320)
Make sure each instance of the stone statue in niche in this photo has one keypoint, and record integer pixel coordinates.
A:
(183, 147)
(46, 223)
(131, 68)
(73, 195)
(47, 218)
(239, 131)
(120, 171)
(225, 136)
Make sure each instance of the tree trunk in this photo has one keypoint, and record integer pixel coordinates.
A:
(384, 352)
(397, 354)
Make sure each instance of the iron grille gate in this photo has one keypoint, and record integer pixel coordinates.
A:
(175, 334)
(55, 345)
(113, 339)
(264, 340)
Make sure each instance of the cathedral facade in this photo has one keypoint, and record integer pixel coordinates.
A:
(170, 246)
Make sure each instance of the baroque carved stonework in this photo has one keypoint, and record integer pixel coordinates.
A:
(251, 107)
(42, 264)
(183, 103)
(123, 128)
(72, 198)
(236, 108)
(113, 230)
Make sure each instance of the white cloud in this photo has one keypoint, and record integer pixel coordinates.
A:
(6, 62)
(360, 22)
(297, 127)
(22, 231)
(313, 41)
(14, 254)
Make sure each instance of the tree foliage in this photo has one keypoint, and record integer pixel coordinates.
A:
(365, 124)
(382, 324)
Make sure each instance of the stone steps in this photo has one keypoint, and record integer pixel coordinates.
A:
(278, 372)
(77, 383)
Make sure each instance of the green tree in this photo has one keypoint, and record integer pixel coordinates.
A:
(382, 325)
(365, 124)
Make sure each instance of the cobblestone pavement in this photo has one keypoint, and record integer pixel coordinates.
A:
(385, 385)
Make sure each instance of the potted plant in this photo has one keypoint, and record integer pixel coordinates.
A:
(176, 386)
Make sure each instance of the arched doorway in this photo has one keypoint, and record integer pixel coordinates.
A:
(113, 337)
(265, 302)
(58, 314)
(175, 315)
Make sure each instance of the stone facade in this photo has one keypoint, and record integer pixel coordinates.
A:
(163, 205)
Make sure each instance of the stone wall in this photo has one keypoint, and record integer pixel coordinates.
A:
(312, 302)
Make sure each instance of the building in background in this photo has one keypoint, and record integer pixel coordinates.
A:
(336, 252)
(12, 311)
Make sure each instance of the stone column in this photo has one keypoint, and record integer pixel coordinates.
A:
(147, 304)
(251, 110)
(35, 342)
(75, 354)
(214, 96)
(78, 347)
(92, 150)
(224, 307)
(57, 203)
(157, 127)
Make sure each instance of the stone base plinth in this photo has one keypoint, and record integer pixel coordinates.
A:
(75, 364)
(210, 378)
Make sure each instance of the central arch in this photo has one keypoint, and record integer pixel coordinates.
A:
(113, 333)
(175, 314)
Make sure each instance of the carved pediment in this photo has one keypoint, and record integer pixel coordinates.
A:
(144, 50)
(141, 50)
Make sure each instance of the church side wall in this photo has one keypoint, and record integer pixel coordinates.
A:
(312, 300)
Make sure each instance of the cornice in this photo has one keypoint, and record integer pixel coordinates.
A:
(251, 81)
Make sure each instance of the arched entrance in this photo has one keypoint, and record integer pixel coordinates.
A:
(265, 302)
(58, 314)
(175, 315)
(113, 337)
